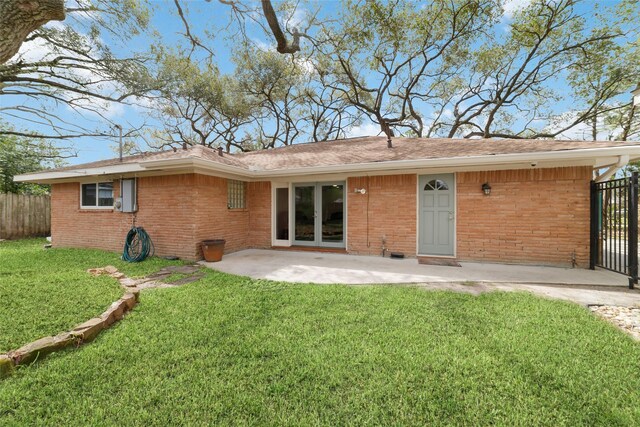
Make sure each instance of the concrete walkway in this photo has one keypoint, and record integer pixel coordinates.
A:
(579, 285)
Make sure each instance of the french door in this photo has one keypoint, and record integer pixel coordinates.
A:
(318, 215)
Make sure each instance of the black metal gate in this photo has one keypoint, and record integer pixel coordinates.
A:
(614, 226)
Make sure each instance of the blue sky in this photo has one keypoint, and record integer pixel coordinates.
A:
(201, 15)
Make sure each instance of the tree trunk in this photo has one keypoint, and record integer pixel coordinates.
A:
(18, 18)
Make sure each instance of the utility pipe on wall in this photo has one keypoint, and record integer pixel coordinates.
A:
(120, 141)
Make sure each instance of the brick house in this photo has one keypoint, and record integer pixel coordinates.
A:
(509, 201)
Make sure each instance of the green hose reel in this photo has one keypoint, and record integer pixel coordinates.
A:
(137, 246)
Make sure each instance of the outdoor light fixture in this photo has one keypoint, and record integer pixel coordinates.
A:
(486, 188)
(360, 190)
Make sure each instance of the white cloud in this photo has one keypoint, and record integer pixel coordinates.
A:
(32, 51)
(513, 6)
(111, 110)
(143, 103)
(40, 50)
(263, 46)
(37, 49)
(55, 24)
(306, 65)
(96, 109)
(366, 129)
(85, 16)
(297, 19)
(581, 131)
(447, 113)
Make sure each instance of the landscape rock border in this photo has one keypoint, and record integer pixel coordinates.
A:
(80, 334)
(87, 331)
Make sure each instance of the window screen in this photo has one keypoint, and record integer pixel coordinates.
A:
(105, 194)
(88, 194)
(235, 194)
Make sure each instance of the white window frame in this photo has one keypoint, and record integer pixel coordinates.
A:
(274, 187)
(96, 207)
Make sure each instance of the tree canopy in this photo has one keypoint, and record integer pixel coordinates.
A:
(296, 71)
(18, 156)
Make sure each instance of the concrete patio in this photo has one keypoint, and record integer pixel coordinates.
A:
(578, 285)
(317, 267)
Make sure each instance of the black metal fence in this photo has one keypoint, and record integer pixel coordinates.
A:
(614, 226)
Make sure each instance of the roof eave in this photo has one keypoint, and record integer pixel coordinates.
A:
(192, 163)
(50, 177)
(591, 154)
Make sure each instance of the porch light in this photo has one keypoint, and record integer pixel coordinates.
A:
(361, 190)
(486, 188)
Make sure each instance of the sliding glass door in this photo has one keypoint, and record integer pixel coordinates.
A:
(305, 215)
(319, 214)
(332, 214)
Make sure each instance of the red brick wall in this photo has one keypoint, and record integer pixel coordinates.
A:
(178, 212)
(536, 216)
(164, 206)
(241, 228)
(259, 205)
(212, 217)
(392, 214)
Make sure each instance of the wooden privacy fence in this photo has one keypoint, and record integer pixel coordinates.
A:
(23, 215)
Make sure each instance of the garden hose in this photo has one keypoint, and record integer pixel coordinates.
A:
(137, 246)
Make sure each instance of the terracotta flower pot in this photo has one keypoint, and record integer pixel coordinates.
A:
(212, 250)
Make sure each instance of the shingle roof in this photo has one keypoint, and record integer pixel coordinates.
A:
(370, 149)
(374, 149)
(194, 152)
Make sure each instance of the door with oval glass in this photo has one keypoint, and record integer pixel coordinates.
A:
(318, 216)
(436, 215)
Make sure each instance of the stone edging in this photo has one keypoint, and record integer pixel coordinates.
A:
(80, 334)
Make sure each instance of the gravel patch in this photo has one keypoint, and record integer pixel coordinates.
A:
(626, 318)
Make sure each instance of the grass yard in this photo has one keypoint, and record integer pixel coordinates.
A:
(230, 350)
(44, 292)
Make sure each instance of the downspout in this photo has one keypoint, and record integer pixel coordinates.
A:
(611, 171)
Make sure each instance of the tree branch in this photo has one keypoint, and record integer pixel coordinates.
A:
(272, 19)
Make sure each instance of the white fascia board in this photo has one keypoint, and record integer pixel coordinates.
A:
(460, 163)
(581, 155)
(46, 177)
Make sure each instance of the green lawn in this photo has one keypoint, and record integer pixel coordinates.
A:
(230, 350)
(44, 292)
